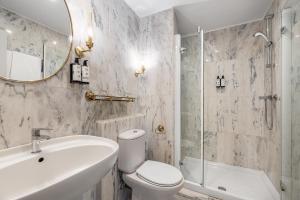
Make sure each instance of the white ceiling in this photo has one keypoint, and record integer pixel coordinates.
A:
(209, 14)
(50, 13)
(148, 7)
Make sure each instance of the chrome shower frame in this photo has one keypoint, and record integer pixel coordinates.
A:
(272, 98)
(178, 160)
(269, 65)
(269, 20)
(201, 34)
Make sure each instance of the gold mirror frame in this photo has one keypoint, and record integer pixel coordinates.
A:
(64, 63)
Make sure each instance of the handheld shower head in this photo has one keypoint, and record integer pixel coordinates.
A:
(260, 34)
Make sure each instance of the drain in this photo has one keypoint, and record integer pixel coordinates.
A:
(41, 159)
(222, 188)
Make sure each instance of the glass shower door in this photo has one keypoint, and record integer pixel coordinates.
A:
(191, 162)
(291, 101)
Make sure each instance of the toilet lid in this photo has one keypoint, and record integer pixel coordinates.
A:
(159, 174)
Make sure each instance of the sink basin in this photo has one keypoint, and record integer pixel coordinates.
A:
(66, 167)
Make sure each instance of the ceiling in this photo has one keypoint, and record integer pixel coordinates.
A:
(50, 13)
(145, 8)
(209, 14)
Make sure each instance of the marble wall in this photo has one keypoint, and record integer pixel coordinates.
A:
(157, 87)
(111, 186)
(119, 35)
(60, 105)
(235, 129)
(29, 38)
(235, 114)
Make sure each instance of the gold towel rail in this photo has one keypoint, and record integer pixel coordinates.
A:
(91, 96)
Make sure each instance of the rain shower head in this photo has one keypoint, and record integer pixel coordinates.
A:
(260, 34)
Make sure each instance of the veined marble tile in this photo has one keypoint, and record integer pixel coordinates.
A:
(57, 104)
(111, 128)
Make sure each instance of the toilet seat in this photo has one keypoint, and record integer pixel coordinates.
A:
(159, 174)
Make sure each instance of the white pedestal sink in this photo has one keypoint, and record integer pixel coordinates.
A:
(66, 168)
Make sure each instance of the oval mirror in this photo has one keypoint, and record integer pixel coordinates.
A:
(35, 38)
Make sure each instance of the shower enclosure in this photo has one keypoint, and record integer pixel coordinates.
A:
(226, 140)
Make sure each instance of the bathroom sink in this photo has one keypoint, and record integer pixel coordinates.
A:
(66, 168)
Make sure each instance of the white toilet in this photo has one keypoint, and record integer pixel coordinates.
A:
(149, 180)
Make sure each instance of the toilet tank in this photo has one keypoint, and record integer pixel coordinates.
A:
(132, 147)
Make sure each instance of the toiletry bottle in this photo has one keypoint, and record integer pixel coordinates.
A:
(218, 82)
(85, 73)
(223, 81)
(75, 72)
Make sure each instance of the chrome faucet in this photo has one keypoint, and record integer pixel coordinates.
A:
(37, 138)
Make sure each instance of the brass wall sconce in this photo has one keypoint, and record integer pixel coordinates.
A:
(140, 71)
(80, 51)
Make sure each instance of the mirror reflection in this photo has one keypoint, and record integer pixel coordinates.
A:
(35, 38)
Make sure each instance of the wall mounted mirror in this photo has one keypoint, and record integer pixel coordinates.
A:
(35, 38)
